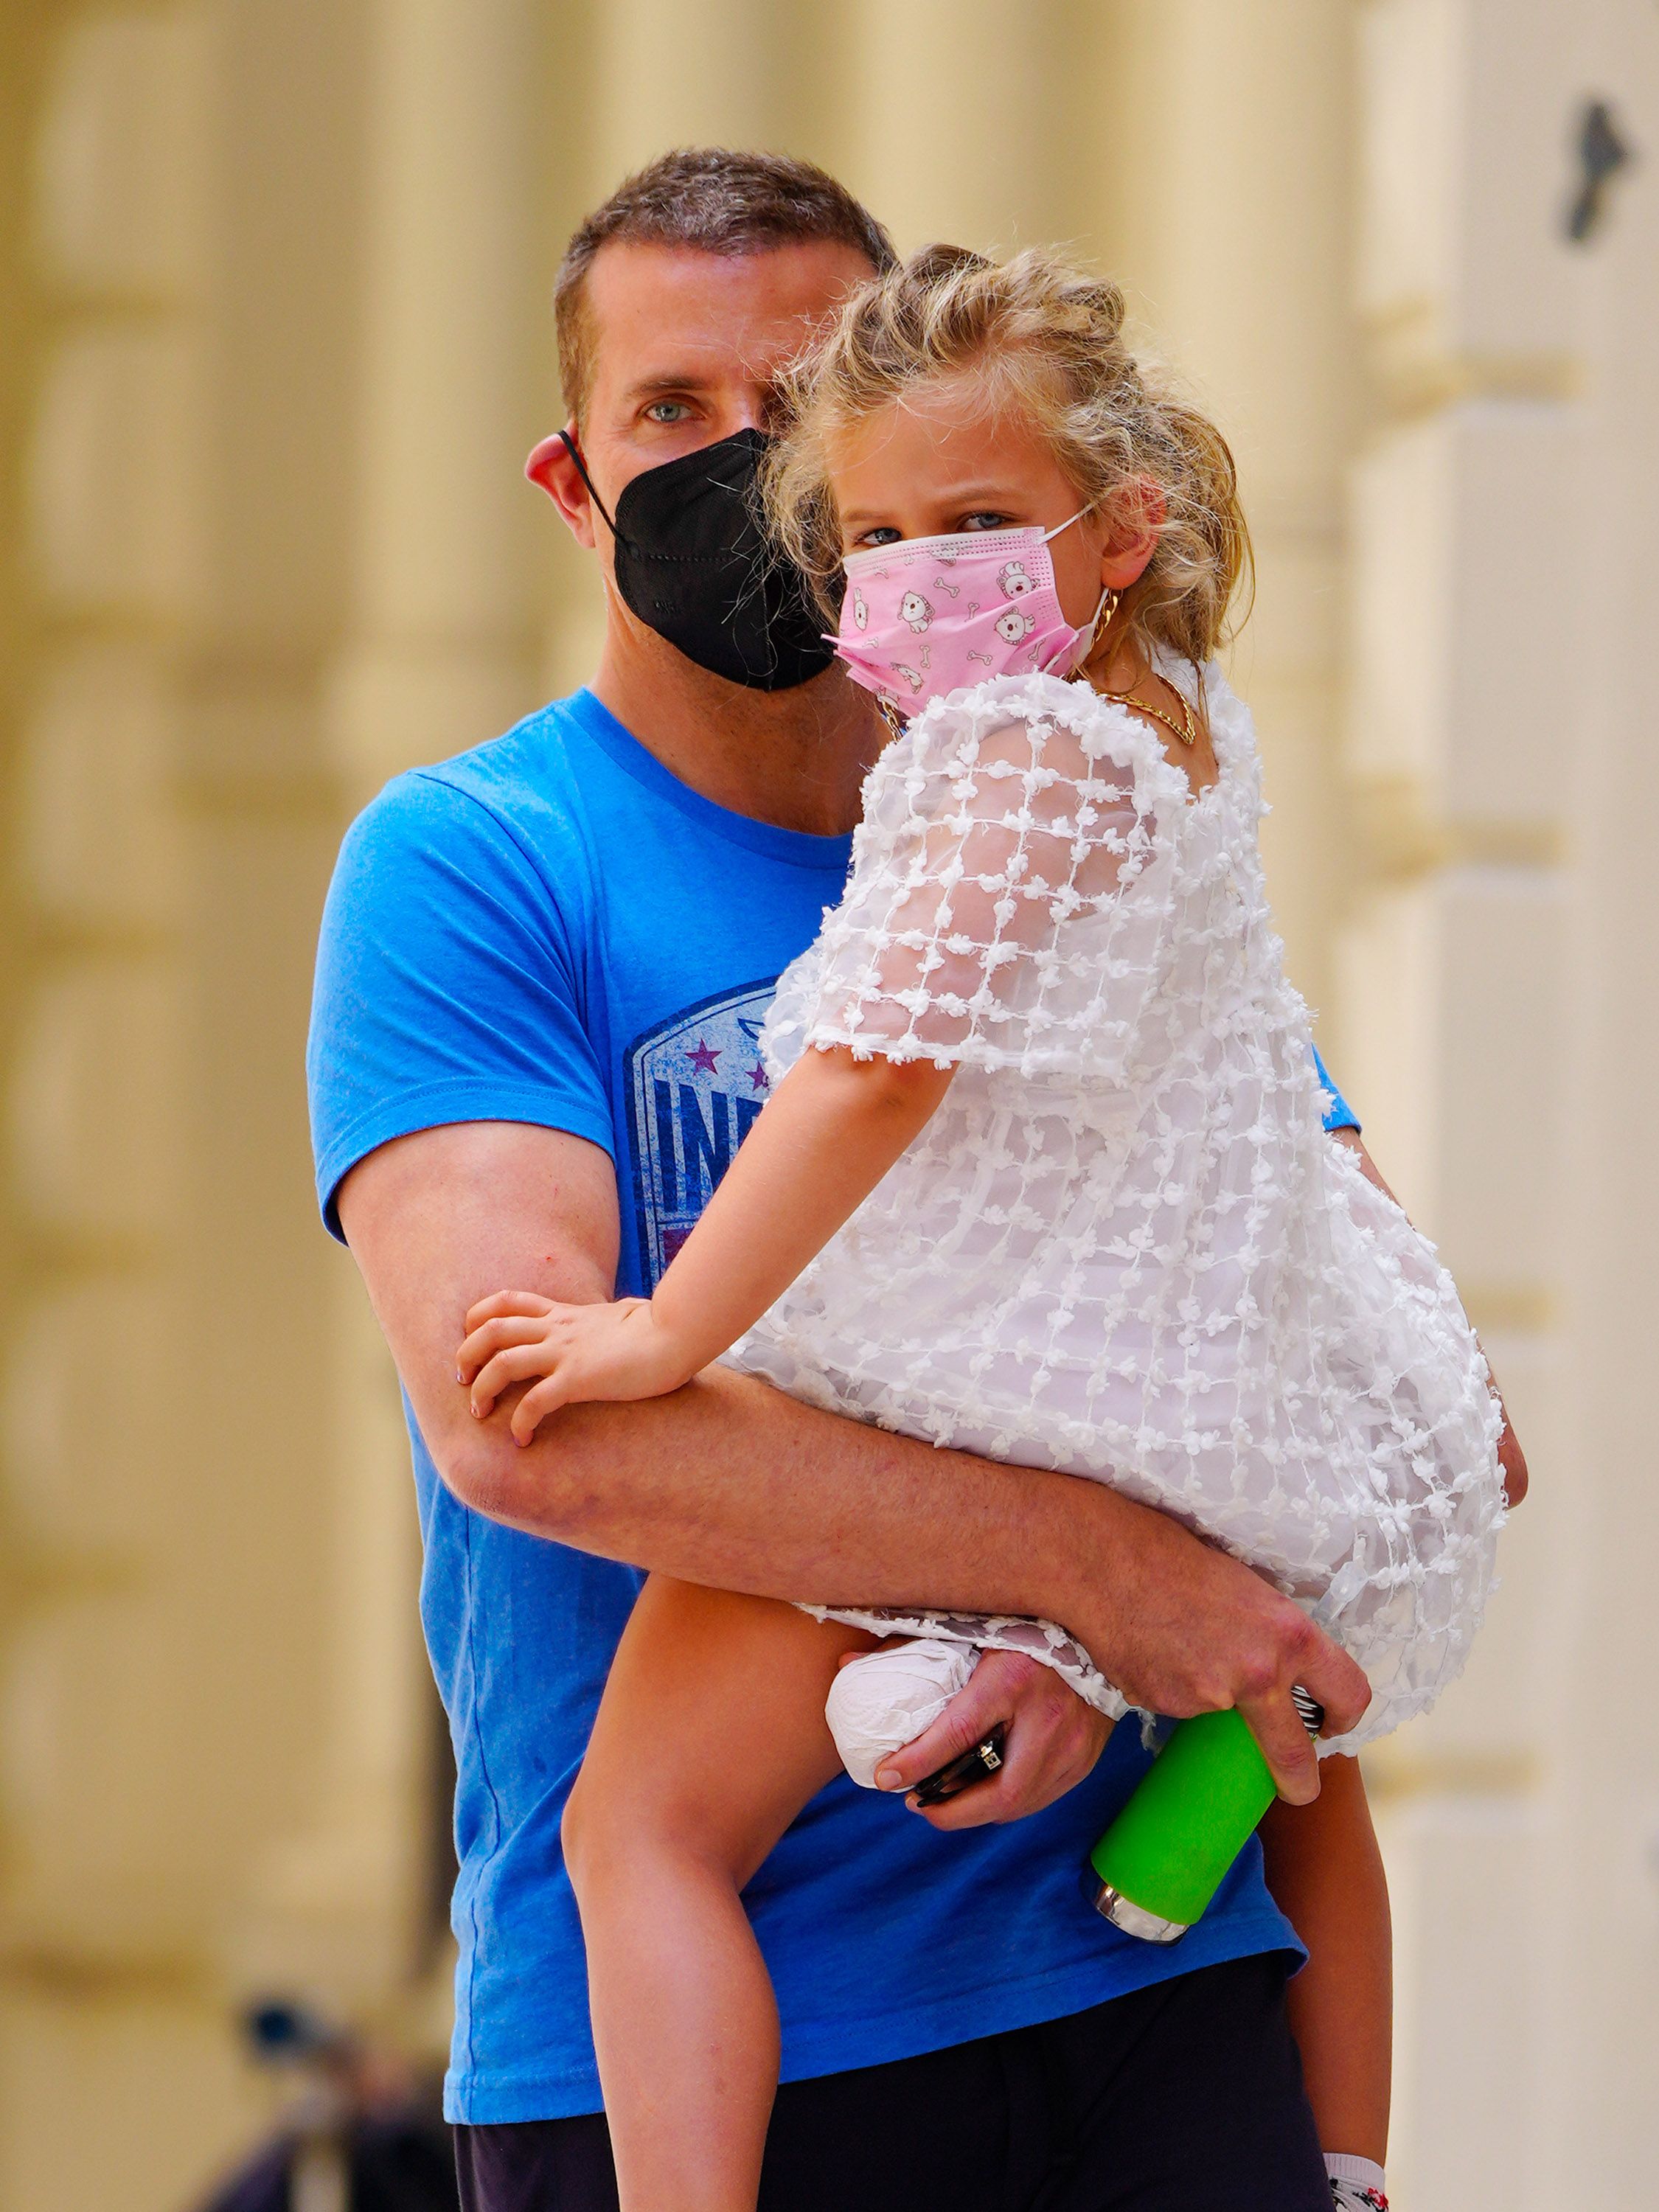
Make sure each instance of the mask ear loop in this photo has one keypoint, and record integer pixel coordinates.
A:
(1049, 536)
(569, 445)
(1108, 600)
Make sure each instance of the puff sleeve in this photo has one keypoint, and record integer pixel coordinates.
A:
(1004, 909)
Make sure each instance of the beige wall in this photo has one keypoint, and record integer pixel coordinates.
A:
(279, 269)
(1497, 1013)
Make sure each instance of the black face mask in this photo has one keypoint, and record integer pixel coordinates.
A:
(694, 564)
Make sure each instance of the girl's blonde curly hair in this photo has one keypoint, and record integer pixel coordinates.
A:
(1048, 339)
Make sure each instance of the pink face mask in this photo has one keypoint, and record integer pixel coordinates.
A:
(932, 615)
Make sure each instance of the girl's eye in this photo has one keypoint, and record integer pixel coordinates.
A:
(884, 534)
(984, 518)
(667, 410)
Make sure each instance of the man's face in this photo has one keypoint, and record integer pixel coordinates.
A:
(686, 347)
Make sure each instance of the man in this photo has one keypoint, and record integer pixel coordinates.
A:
(543, 969)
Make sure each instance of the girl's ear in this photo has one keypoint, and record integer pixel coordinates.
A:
(1138, 517)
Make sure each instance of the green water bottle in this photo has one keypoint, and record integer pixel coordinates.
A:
(1163, 1859)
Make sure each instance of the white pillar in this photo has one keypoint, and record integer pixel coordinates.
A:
(1598, 1875)
(1499, 685)
(123, 1848)
(441, 656)
(664, 77)
(951, 129)
(1223, 142)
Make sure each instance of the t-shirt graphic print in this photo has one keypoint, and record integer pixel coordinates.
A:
(696, 1086)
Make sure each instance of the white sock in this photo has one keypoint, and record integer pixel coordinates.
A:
(1356, 2183)
(880, 1703)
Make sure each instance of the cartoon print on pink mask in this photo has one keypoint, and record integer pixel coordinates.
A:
(924, 618)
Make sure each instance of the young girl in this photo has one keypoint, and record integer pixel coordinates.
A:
(1042, 1177)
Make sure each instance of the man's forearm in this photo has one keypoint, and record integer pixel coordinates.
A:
(726, 1482)
(731, 1483)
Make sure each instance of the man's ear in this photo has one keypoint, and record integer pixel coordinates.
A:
(550, 466)
(1137, 521)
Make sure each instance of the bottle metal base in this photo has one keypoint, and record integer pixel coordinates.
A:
(1134, 1919)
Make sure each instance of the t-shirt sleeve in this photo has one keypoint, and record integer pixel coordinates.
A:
(445, 989)
(1339, 1115)
(985, 922)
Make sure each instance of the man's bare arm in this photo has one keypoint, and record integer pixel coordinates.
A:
(729, 1483)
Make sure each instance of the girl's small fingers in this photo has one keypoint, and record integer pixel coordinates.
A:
(501, 1302)
(518, 1363)
(492, 1336)
(534, 1407)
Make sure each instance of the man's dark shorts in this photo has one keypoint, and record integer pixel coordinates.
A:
(1186, 2096)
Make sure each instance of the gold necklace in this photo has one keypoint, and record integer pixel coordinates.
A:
(1187, 734)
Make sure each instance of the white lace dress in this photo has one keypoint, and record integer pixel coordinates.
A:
(1124, 1246)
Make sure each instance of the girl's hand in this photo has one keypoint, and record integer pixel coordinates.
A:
(578, 1353)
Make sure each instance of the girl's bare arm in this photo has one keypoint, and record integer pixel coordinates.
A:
(829, 1133)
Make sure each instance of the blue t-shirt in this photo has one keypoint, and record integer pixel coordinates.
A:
(552, 929)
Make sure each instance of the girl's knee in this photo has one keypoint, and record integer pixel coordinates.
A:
(589, 1833)
(621, 1832)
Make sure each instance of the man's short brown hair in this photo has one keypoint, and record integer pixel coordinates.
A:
(715, 201)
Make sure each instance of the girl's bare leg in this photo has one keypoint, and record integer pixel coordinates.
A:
(1324, 1869)
(710, 1738)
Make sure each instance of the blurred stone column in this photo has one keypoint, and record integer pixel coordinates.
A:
(661, 78)
(1222, 144)
(959, 129)
(1470, 715)
(1597, 1874)
(438, 654)
(113, 1865)
(441, 655)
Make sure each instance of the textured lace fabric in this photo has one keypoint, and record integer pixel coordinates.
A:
(1124, 1246)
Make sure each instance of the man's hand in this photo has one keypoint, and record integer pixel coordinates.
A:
(1053, 1740)
(1180, 1628)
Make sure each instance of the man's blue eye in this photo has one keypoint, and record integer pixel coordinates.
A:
(666, 411)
